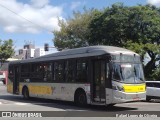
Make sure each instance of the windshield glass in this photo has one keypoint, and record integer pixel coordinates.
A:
(128, 73)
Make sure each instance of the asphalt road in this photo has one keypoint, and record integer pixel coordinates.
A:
(9, 102)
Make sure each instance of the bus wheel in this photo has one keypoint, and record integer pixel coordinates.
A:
(25, 93)
(80, 98)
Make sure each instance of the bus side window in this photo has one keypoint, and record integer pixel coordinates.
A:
(47, 72)
(25, 68)
(82, 71)
(59, 71)
(11, 73)
(37, 72)
(69, 70)
(10, 70)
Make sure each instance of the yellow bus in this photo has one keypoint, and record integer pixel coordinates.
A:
(103, 75)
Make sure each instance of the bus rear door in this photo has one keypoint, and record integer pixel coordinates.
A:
(16, 80)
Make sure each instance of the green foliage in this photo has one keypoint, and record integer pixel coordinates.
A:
(74, 31)
(118, 24)
(136, 28)
(156, 74)
(6, 49)
(152, 50)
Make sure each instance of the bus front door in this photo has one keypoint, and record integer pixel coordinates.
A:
(16, 80)
(99, 81)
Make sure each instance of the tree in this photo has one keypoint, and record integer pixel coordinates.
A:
(6, 50)
(108, 26)
(151, 68)
(136, 28)
(74, 31)
(118, 24)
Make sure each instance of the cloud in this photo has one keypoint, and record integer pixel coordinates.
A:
(39, 3)
(39, 16)
(76, 4)
(154, 2)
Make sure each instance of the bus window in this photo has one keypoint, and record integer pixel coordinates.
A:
(10, 70)
(58, 71)
(25, 71)
(69, 71)
(37, 72)
(82, 69)
(47, 72)
(11, 73)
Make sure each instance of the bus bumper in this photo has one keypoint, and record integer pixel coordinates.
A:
(121, 97)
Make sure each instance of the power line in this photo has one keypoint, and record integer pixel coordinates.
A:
(24, 18)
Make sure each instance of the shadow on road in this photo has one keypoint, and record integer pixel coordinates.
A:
(153, 101)
(62, 104)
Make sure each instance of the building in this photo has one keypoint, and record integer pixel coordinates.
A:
(29, 46)
(39, 52)
(28, 51)
(22, 54)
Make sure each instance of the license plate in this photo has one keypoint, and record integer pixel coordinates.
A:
(136, 98)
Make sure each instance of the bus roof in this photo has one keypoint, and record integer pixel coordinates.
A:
(80, 52)
(11, 59)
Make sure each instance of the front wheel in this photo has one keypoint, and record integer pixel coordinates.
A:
(81, 99)
(25, 93)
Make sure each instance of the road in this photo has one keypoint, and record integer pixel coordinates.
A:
(9, 102)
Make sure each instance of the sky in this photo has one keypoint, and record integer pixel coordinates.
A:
(32, 21)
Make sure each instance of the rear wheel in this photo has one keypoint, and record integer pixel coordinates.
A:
(80, 98)
(25, 93)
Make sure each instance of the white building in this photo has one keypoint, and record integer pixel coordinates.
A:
(30, 53)
(39, 52)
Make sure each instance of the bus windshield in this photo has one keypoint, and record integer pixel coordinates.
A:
(128, 72)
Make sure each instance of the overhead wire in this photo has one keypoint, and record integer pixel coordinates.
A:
(25, 18)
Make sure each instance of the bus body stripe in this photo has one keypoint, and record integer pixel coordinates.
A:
(10, 88)
(40, 89)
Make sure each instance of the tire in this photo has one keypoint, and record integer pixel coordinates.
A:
(148, 99)
(26, 93)
(81, 99)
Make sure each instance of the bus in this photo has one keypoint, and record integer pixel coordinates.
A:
(4, 70)
(96, 75)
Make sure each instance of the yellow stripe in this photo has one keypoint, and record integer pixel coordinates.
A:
(10, 88)
(134, 88)
(40, 89)
(20, 88)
